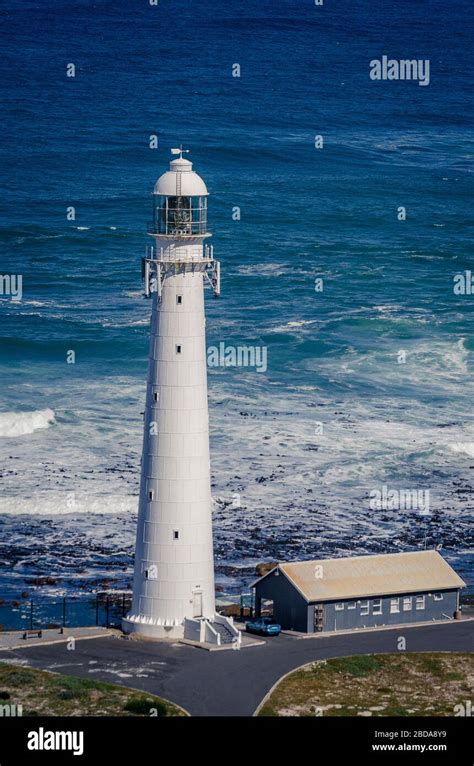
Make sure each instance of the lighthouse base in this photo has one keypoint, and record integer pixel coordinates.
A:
(145, 629)
(218, 630)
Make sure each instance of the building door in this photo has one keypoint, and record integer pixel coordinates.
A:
(197, 603)
(318, 617)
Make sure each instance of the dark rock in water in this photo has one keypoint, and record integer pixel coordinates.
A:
(263, 569)
(232, 571)
(41, 580)
(24, 594)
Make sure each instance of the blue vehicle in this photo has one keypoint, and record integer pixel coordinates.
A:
(264, 626)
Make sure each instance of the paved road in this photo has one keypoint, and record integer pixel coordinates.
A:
(225, 683)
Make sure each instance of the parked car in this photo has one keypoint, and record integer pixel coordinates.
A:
(264, 626)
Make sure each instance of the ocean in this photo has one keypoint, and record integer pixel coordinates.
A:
(369, 375)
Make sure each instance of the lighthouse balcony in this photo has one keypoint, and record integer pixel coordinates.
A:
(186, 231)
(184, 253)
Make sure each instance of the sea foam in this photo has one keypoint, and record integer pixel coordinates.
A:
(464, 448)
(56, 503)
(22, 423)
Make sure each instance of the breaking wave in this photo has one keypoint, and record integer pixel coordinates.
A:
(23, 423)
(52, 504)
(465, 448)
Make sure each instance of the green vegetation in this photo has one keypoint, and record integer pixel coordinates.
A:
(142, 706)
(356, 666)
(43, 693)
(422, 684)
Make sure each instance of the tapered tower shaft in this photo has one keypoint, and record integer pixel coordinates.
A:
(174, 565)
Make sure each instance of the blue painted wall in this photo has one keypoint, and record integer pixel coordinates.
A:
(352, 618)
(293, 612)
(290, 609)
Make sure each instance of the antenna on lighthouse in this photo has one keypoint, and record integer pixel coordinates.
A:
(180, 151)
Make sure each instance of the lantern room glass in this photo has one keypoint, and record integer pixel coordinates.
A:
(180, 215)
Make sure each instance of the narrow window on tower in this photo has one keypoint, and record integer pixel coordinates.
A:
(179, 299)
(151, 494)
(156, 396)
(175, 534)
(178, 349)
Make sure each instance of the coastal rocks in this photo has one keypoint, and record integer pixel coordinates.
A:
(227, 570)
(265, 567)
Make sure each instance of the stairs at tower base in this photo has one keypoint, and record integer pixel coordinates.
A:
(218, 630)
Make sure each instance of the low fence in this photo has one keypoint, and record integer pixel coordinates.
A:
(67, 612)
(105, 610)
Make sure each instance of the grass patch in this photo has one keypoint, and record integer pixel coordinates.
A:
(43, 693)
(146, 706)
(418, 684)
(356, 666)
(15, 677)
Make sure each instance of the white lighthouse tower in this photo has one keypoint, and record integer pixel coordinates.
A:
(173, 588)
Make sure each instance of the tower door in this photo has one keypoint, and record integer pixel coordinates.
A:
(197, 604)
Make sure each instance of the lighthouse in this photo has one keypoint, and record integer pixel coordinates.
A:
(173, 586)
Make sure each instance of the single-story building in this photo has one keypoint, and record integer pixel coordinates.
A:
(360, 591)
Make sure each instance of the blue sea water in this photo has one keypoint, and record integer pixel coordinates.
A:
(70, 434)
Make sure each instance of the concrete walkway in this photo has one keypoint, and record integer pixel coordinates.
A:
(14, 639)
(224, 683)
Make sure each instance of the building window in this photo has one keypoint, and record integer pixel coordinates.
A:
(151, 494)
(339, 606)
(438, 596)
(364, 607)
(377, 606)
(156, 396)
(407, 605)
(351, 604)
(420, 602)
(175, 534)
(394, 605)
(179, 299)
(178, 349)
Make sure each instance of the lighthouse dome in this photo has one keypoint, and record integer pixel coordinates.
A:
(180, 180)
